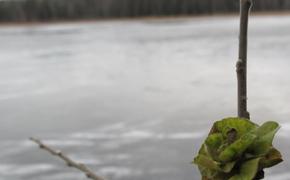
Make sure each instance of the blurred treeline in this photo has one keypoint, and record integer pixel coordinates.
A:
(47, 10)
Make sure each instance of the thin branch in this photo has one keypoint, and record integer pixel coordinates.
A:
(70, 163)
(245, 7)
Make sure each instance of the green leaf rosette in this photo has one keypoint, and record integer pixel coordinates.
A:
(238, 149)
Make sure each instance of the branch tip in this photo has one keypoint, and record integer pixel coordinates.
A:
(69, 162)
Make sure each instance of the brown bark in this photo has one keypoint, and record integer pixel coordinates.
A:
(245, 6)
(70, 163)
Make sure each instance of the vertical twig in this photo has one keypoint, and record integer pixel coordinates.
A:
(245, 7)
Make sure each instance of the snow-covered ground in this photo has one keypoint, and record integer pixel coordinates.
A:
(134, 99)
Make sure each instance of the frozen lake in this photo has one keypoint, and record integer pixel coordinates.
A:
(134, 99)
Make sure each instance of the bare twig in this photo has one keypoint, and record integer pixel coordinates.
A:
(245, 7)
(67, 160)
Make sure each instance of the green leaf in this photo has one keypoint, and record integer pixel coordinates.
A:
(227, 167)
(206, 162)
(265, 135)
(242, 126)
(266, 128)
(248, 170)
(273, 158)
(213, 142)
(237, 148)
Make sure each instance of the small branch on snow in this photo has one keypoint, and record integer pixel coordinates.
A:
(70, 163)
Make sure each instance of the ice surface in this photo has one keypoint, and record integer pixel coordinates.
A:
(134, 99)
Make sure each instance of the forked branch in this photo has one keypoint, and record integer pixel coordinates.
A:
(70, 163)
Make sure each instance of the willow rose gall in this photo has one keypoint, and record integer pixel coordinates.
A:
(238, 149)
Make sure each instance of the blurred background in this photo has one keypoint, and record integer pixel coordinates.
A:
(48, 10)
(131, 87)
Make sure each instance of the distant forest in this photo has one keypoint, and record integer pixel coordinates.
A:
(49, 10)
